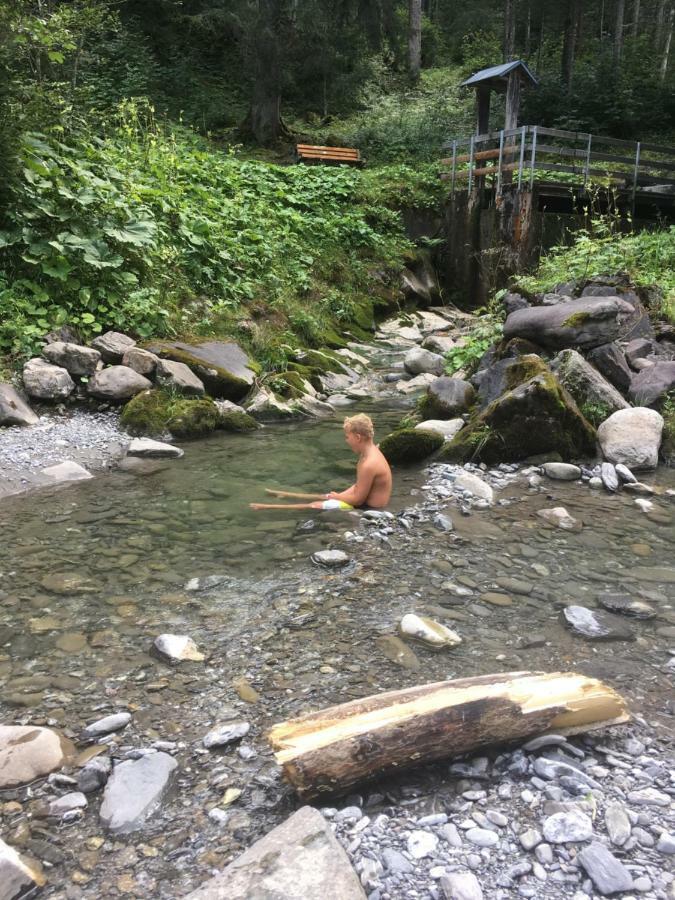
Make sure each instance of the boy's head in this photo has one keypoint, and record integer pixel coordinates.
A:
(359, 431)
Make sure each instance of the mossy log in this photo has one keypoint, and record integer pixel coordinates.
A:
(333, 750)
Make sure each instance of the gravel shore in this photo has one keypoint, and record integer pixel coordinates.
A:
(91, 439)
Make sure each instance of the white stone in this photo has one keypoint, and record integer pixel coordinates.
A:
(570, 826)
(559, 517)
(222, 735)
(421, 844)
(28, 752)
(106, 725)
(415, 385)
(482, 837)
(431, 633)
(178, 647)
(330, 558)
(632, 437)
(448, 428)
(561, 471)
(67, 471)
(17, 877)
(153, 449)
(472, 484)
(461, 886)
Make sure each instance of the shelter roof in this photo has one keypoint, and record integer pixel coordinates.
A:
(496, 76)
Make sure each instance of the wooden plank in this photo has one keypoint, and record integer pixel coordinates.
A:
(327, 153)
(321, 147)
(657, 148)
(604, 157)
(465, 157)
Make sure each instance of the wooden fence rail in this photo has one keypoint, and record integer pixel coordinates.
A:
(520, 152)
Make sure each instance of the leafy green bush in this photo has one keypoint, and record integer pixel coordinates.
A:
(486, 333)
(155, 233)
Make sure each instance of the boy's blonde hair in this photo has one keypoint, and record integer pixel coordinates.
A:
(360, 424)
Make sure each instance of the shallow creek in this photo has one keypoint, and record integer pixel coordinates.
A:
(91, 573)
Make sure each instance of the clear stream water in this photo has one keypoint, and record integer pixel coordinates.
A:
(91, 573)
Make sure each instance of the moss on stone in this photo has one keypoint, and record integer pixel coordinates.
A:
(668, 439)
(538, 416)
(239, 422)
(524, 368)
(290, 384)
(153, 413)
(409, 445)
(576, 319)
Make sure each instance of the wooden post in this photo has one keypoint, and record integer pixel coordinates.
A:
(499, 165)
(534, 156)
(635, 177)
(587, 167)
(471, 151)
(512, 101)
(454, 166)
(522, 155)
(483, 109)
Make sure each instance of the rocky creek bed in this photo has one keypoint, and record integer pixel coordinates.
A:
(91, 574)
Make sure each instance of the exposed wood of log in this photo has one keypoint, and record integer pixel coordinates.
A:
(336, 748)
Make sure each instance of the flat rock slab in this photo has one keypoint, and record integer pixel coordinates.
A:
(595, 625)
(298, 860)
(135, 790)
(28, 752)
(447, 428)
(149, 449)
(587, 322)
(398, 652)
(17, 878)
(67, 471)
(222, 366)
(605, 871)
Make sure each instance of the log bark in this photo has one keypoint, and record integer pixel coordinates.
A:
(333, 750)
(415, 39)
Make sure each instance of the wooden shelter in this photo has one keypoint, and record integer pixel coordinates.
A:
(507, 78)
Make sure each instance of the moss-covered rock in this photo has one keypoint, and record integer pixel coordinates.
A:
(538, 416)
(668, 440)
(506, 374)
(409, 445)
(240, 422)
(154, 413)
(446, 398)
(223, 367)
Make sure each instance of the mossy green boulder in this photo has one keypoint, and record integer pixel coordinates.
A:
(153, 413)
(409, 445)
(239, 422)
(537, 416)
(224, 368)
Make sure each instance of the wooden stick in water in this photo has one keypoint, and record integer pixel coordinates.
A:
(294, 495)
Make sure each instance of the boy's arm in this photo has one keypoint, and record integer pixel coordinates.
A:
(358, 493)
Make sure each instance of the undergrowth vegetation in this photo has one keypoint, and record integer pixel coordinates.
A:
(151, 231)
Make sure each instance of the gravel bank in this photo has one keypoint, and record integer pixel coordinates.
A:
(94, 440)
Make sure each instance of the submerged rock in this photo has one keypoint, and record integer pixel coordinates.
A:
(632, 437)
(330, 558)
(177, 648)
(67, 471)
(559, 517)
(298, 860)
(425, 630)
(135, 790)
(28, 752)
(627, 606)
(410, 445)
(595, 625)
(397, 652)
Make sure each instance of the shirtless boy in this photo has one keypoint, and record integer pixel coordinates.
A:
(373, 476)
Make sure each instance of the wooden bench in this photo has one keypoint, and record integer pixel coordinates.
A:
(332, 156)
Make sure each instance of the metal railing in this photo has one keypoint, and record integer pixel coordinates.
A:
(516, 155)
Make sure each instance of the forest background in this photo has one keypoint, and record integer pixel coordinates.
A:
(146, 181)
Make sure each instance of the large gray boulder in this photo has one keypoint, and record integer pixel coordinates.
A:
(28, 752)
(13, 410)
(418, 361)
(587, 322)
(141, 361)
(179, 377)
(595, 397)
(112, 346)
(649, 387)
(45, 381)
(298, 860)
(117, 384)
(135, 790)
(632, 437)
(78, 360)
(610, 361)
(447, 397)
(223, 367)
(505, 374)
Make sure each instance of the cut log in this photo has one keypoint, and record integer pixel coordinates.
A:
(334, 749)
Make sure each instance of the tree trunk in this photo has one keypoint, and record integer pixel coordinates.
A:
(666, 45)
(264, 117)
(335, 749)
(527, 49)
(618, 32)
(569, 42)
(415, 40)
(636, 18)
(509, 30)
(660, 24)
